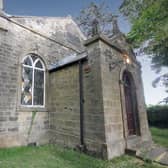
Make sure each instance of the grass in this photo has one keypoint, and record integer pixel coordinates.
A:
(51, 156)
(160, 136)
(55, 157)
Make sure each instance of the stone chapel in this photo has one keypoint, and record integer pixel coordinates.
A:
(58, 87)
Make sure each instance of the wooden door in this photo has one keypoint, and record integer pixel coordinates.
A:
(130, 101)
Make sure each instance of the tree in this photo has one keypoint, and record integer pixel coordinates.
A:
(101, 13)
(149, 19)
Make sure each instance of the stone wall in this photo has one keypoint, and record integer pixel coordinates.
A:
(111, 99)
(108, 100)
(94, 132)
(65, 106)
(8, 89)
(16, 41)
(112, 68)
(144, 127)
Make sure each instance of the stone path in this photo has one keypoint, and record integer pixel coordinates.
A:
(155, 153)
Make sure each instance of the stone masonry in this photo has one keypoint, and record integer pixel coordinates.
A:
(20, 36)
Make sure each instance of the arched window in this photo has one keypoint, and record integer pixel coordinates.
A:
(33, 81)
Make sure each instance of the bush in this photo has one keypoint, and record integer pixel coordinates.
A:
(158, 115)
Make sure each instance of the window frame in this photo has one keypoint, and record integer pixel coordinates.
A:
(33, 67)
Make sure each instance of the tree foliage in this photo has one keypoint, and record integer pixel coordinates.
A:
(101, 12)
(149, 19)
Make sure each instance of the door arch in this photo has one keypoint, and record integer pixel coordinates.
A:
(131, 104)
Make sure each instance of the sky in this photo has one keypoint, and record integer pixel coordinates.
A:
(73, 7)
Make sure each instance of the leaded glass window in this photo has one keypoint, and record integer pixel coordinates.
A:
(33, 81)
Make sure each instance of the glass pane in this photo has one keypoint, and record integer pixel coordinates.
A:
(39, 65)
(26, 95)
(27, 61)
(34, 57)
(38, 87)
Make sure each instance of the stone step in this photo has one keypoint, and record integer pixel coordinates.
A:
(154, 153)
(148, 151)
(164, 159)
(133, 142)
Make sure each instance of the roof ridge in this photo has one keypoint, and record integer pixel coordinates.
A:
(44, 17)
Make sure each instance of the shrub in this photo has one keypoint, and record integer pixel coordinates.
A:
(158, 115)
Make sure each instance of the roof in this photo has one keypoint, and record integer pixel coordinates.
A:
(68, 60)
(61, 29)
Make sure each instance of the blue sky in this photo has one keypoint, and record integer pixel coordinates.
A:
(73, 7)
(58, 8)
(52, 7)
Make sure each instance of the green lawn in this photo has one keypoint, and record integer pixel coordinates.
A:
(56, 157)
(160, 136)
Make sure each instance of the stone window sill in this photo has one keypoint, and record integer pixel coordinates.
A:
(30, 109)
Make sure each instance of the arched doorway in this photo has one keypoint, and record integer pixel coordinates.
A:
(131, 104)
